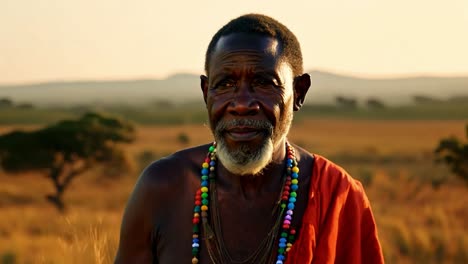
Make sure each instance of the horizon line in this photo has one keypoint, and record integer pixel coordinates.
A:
(356, 75)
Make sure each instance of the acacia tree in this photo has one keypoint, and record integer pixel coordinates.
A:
(455, 154)
(65, 150)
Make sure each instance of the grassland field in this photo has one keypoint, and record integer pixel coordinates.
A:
(420, 207)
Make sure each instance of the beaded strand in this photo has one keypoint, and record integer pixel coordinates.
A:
(288, 200)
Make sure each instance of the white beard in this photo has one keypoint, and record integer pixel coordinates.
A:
(243, 161)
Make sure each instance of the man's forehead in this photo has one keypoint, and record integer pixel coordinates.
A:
(246, 41)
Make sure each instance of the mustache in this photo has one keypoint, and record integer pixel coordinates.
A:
(224, 125)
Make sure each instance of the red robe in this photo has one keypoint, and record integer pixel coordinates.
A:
(338, 225)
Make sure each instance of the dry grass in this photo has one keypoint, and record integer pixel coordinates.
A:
(417, 222)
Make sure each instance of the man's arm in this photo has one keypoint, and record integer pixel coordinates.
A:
(138, 220)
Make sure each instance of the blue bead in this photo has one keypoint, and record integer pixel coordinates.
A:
(212, 163)
(290, 206)
(282, 245)
(292, 200)
(283, 240)
(294, 175)
(294, 187)
(204, 184)
(281, 257)
(195, 240)
(204, 171)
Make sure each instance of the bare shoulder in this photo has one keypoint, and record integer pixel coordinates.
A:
(171, 170)
(148, 204)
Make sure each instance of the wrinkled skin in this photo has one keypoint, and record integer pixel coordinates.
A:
(247, 79)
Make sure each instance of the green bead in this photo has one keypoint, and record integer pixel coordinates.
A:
(204, 177)
(284, 234)
(283, 205)
(195, 229)
(204, 202)
(291, 238)
(204, 195)
(293, 194)
(281, 250)
(211, 149)
(194, 250)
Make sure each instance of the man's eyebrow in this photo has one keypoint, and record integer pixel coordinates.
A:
(269, 73)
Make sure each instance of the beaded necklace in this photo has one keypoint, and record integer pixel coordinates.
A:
(287, 203)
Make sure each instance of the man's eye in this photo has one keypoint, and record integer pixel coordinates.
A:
(226, 84)
(261, 82)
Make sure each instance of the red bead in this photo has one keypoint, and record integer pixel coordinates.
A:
(286, 188)
(288, 182)
(285, 226)
(196, 220)
(207, 160)
(285, 197)
(198, 202)
(292, 232)
(197, 197)
(198, 192)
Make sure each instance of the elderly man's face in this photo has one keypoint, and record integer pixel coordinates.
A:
(249, 96)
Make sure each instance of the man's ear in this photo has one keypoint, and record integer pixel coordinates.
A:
(204, 86)
(301, 86)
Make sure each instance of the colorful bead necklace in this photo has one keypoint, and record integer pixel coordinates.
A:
(288, 200)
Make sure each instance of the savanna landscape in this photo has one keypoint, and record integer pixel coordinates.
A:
(387, 142)
(419, 205)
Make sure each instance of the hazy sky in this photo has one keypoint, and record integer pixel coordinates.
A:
(42, 40)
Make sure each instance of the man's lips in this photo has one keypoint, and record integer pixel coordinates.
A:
(243, 133)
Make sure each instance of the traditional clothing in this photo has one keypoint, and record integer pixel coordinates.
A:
(338, 225)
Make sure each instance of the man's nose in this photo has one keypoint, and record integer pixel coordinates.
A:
(244, 101)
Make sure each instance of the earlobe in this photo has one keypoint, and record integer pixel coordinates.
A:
(301, 86)
(204, 86)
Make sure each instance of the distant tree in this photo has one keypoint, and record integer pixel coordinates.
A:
(25, 106)
(163, 104)
(455, 154)
(5, 102)
(345, 102)
(183, 138)
(424, 99)
(374, 103)
(458, 99)
(65, 150)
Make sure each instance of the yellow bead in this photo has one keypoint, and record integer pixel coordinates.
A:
(194, 261)
(204, 208)
(295, 169)
(204, 189)
(294, 181)
(196, 215)
(194, 236)
(205, 165)
(287, 249)
(289, 245)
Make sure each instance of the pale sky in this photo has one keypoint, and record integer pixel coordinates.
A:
(45, 40)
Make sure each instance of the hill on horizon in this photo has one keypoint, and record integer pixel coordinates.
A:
(185, 87)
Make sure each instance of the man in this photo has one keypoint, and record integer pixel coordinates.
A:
(251, 197)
